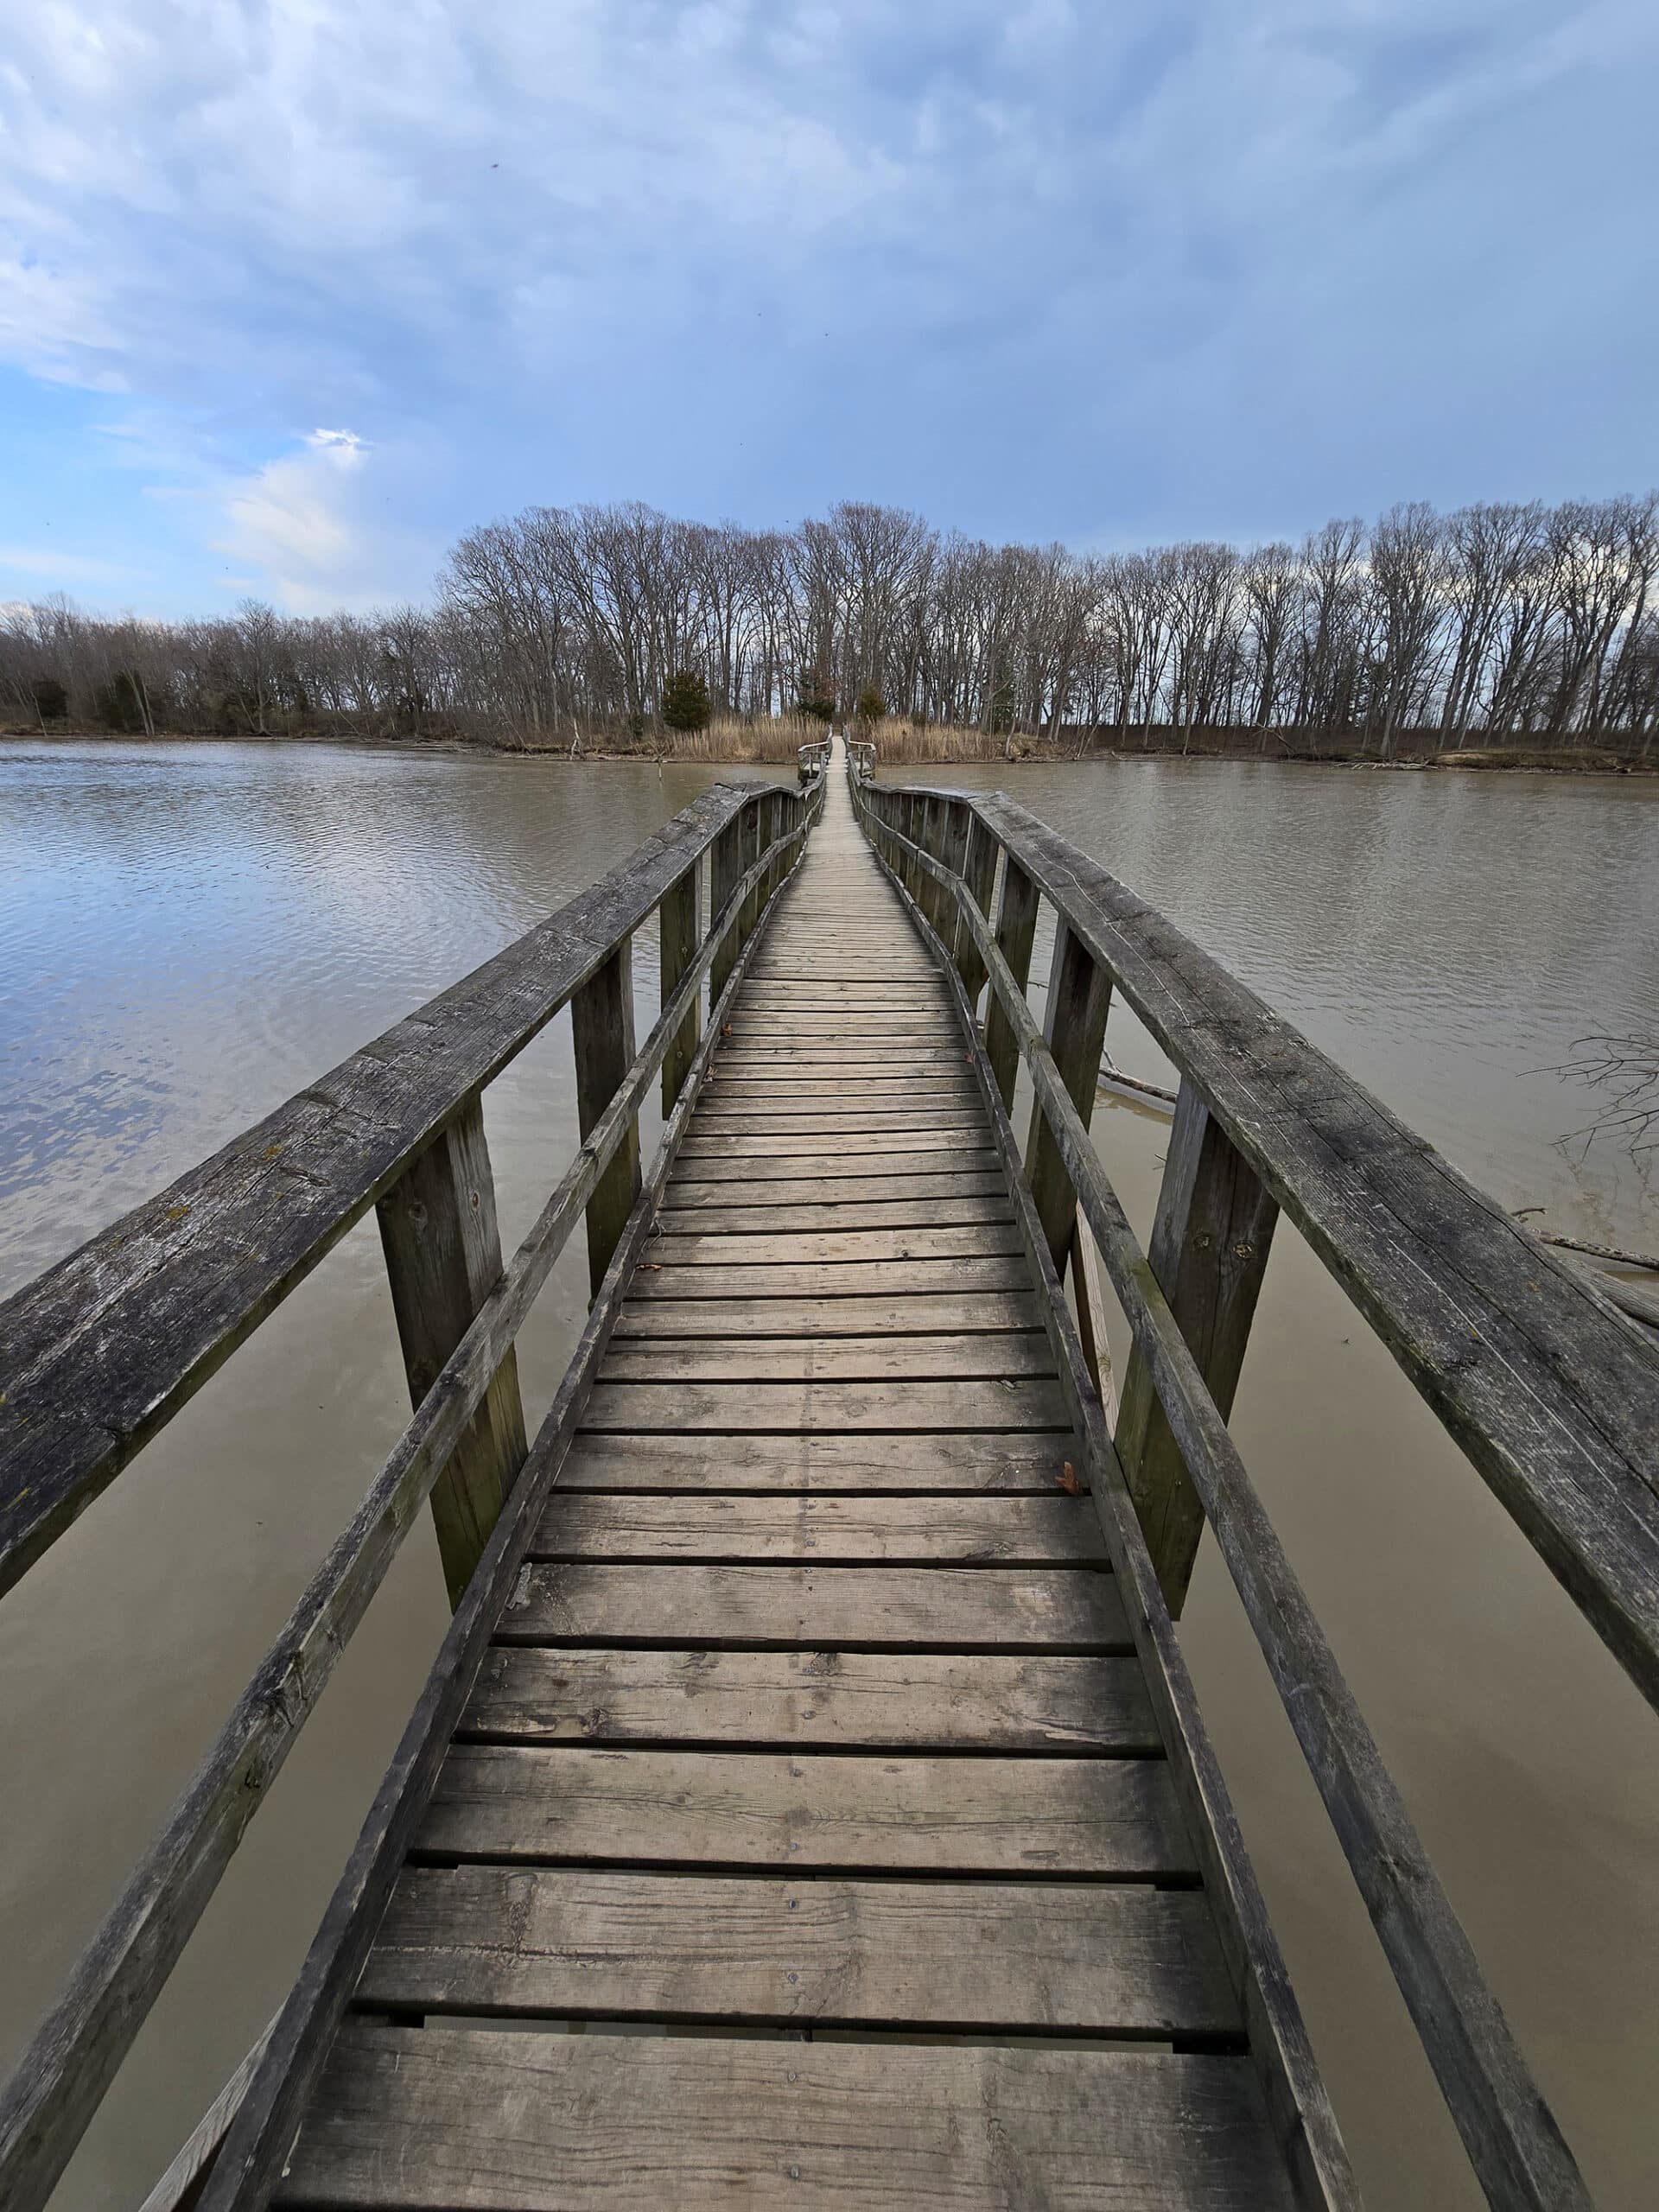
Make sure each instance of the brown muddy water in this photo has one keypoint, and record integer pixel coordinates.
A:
(188, 934)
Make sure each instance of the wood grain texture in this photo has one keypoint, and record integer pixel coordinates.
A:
(1209, 1250)
(450, 2119)
(967, 1463)
(893, 1318)
(793, 1409)
(831, 1279)
(900, 1813)
(837, 1359)
(940, 1956)
(824, 1531)
(443, 1258)
(870, 1608)
(823, 1701)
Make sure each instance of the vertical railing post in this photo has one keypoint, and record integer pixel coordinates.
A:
(1079, 994)
(677, 919)
(1209, 1251)
(443, 1258)
(748, 853)
(979, 874)
(602, 1027)
(725, 873)
(1016, 928)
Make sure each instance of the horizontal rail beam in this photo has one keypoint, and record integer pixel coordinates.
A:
(1553, 1398)
(74, 2056)
(103, 1350)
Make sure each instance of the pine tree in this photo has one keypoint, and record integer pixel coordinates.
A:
(685, 701)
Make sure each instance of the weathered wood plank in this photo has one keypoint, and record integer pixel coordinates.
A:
(830, 1279)
(678, 1407)
(803, 1144)
(827, 1700)
(892, 1318)
(1074, 1029)
(834, 1163)
(602, 1027)
(978, 1355)
(447, 2119)
(871, 1608)
(824, 1126)
(1016, 933)
(939, 1956)
(837, 1183)
(801, 1809)
(679, 938)
(761, 1220)
(1209, 1250)
(1055, 1530)
(975, 1240)
(964, 1462)
(443, 1258)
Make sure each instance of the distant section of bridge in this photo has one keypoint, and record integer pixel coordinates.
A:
(810, 1806)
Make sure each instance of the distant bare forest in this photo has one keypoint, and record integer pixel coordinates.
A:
(563, 626)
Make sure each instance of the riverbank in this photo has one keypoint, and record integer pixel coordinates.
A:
(776, 744)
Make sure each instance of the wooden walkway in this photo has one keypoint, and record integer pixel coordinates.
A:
(810, 1734)
(808, 1805)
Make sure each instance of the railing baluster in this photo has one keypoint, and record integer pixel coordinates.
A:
(978, 866)
(1079, 994)
(677, 919)
(725, 872)
(1016, 930)
(601, 1023)
(443, 1258)
(1209, 1251)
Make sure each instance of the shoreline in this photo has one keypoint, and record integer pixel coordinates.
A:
(1033, 753)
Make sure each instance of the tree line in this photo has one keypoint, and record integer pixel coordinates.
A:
(566, 626)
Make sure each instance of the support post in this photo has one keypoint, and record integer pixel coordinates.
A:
(443, 1258)
(725, 873)
(1016, 928)
(601, 1024)
(1079, 994)
(1209, 1251)
(950, 847)
(677, 920)
(979, 874)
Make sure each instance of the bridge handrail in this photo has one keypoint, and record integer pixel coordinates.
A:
(424, 1161)
(1189, 1306)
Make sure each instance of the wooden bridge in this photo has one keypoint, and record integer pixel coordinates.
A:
(812, 1697)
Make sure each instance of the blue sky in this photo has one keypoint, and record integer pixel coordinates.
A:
(292, 293)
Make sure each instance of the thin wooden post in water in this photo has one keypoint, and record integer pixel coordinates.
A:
(601, 1023)
(1079, 994)
(678, 923)
(1209, 1251)
(443, 1258)
(1016, 929)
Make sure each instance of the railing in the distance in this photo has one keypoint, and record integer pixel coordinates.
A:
(1551, 1394)
(103, 1350)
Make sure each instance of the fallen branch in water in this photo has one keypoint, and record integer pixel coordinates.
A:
(1616, 1253)
(1112, 1074)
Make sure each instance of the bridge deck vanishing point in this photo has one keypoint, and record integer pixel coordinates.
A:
(814, 1711)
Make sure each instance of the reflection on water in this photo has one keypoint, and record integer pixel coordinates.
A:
(188, 934)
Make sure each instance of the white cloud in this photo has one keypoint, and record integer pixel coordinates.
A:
(59, 568)
(298, 523)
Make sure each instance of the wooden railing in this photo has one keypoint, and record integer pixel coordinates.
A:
(102, 1351)
(1552, 1394)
